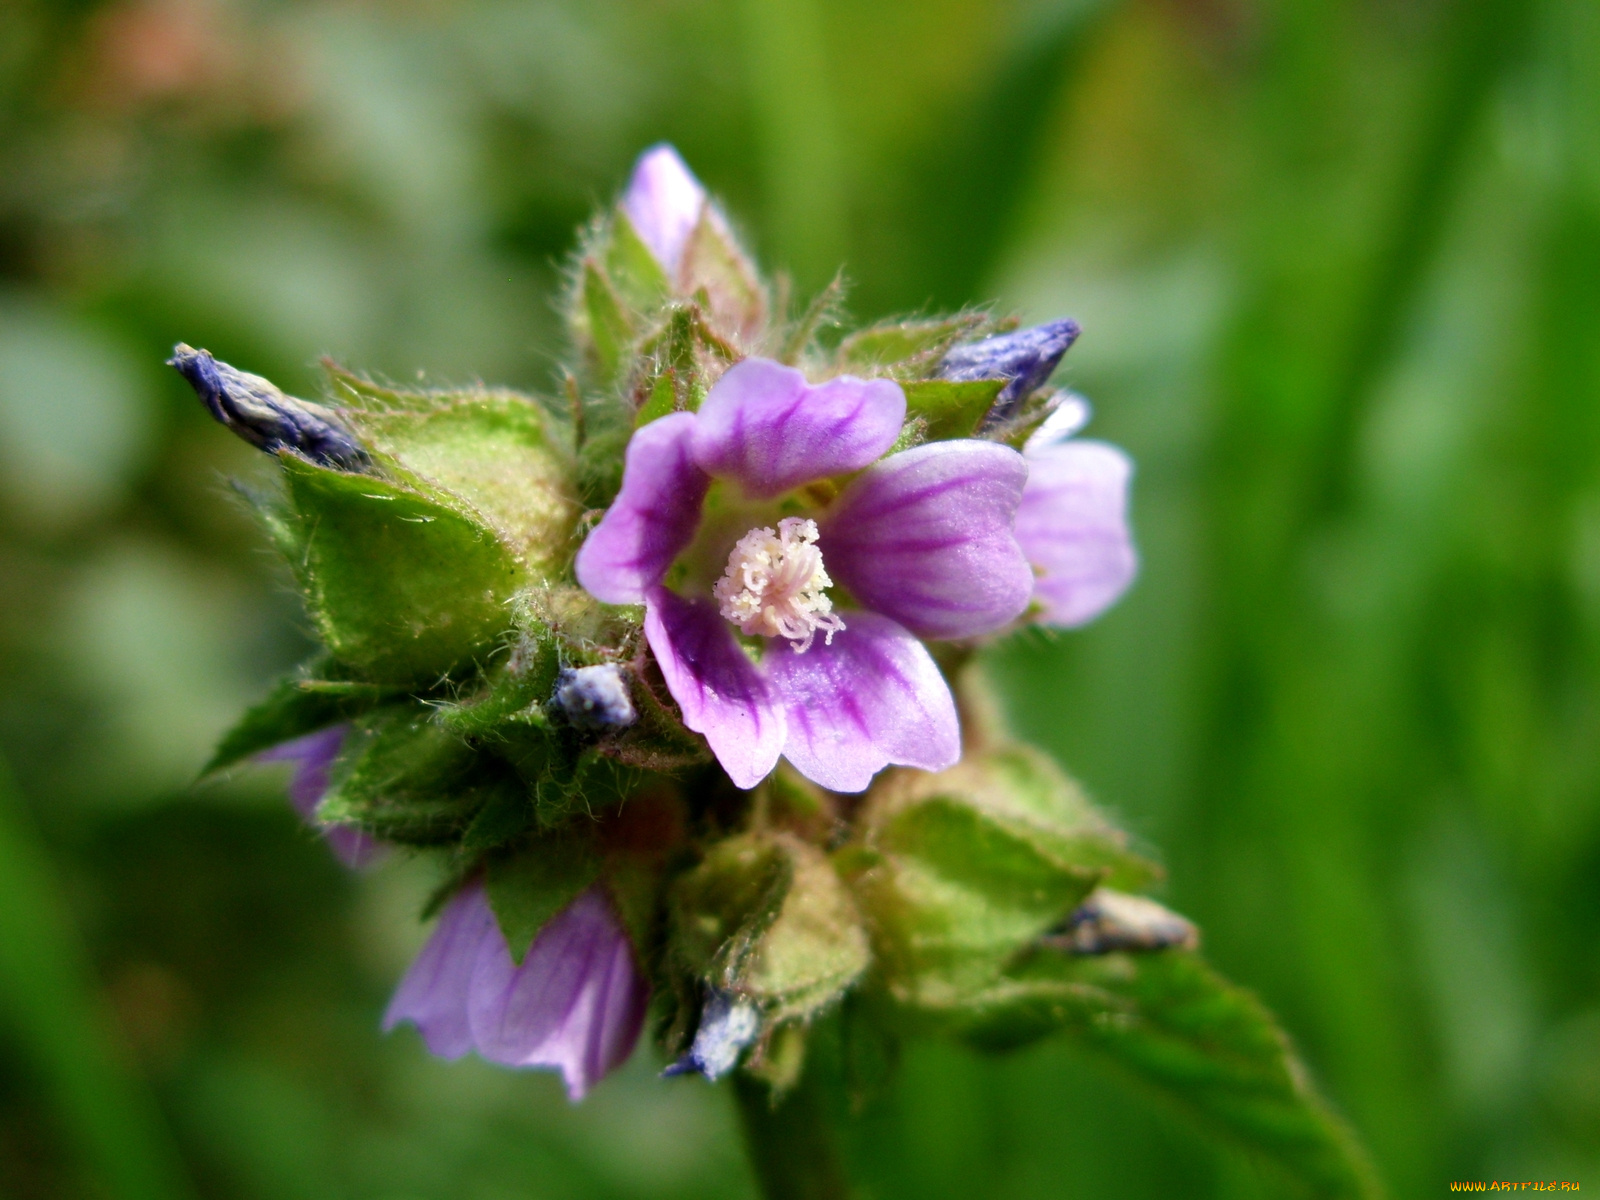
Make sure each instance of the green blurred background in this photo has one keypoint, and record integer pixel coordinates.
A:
(1339, 270)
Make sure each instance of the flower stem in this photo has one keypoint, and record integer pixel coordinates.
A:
(791, 1146)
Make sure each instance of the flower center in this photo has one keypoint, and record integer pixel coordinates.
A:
(775, 582)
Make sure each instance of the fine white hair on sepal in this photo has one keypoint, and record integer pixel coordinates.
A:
(1071, 414)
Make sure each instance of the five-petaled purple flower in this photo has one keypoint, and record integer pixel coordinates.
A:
(737, 520)
(575, 1003)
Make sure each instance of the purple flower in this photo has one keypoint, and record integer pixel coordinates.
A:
(664, 202)
(576, 1002)
(729, 523)
(1073, 520)
(313, 757)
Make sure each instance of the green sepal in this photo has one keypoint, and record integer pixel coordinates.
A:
(1034, 410)
(298, 704)
(766, 916)
(960, 871)
(404, 778)
(678, 374)
(530, 885)
(402, 588)
(716, 266)
(497, 457)
(511, 696)
(951, 410)
(604, 332)
(906, 349)
(1178, 1026)
(631, 267)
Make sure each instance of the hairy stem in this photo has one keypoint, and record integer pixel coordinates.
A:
(791, 1147)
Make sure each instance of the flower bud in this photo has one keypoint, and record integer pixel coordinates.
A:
(765, 918)
(664, 202)
(258, 411)
(1026, 358)
(595, 697)
(1110, 920)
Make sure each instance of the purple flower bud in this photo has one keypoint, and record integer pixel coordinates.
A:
(576, 1002)
(1027, 358)
(258, 411)
(664, 202)
(595, 697)
(728, 1024)
(313, 758)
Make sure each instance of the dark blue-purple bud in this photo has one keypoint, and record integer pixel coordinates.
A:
(595, 697)
(728, 1024)
(259, 412)
(1026, 358)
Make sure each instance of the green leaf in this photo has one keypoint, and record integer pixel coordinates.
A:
(905, 349)
(402, 588)
(962, 870)
(952, 410)
(1200, 1041)
(404, 778)
(491, 456)
(766, 915)
(296, 706)
(529, 887)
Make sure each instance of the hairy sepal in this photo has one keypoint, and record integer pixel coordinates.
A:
(766, 917)
(960, 871)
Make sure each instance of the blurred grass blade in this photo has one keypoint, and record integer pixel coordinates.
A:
(792, 94)
(1482, 41)
(49, 1002)
(1207, 1045)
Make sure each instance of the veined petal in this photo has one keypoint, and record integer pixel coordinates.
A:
(765, 427)
(575, 1003)
(1073, 526)
(433, 994)
(722, 693)
(314, 756)
(653, 517)
(925, 537)
(664, 201)
(871, 698)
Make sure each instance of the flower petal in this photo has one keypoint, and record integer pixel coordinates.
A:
(433, 994)
(872, 698)
(925, 537)
(575, 1003)
(721, 692)
(1073, 526)
(314, 756)
(764, 426)
(653, 517)
(663, 202)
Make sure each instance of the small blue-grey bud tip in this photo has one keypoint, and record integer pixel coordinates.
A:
(728, 1024)
(259, 412)
(1026, 357)
(595, 697)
